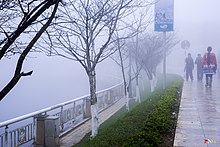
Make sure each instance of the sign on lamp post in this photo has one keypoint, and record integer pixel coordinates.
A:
(164, 23)
(164, 15)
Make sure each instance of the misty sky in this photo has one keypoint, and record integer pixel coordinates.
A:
(56, 79)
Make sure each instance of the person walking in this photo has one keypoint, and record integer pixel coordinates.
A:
(189, 66)
(198, 62)
(209, 64)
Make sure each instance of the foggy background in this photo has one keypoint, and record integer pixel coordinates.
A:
(198, 22)
(56, 79)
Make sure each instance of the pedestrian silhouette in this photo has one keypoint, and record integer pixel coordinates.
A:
(198, 62)
(189, 66)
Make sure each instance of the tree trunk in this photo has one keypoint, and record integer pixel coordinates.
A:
(136, 58)
(150, 77)
(129, 74)
(127, 101)
(151, 85)
(126, 94)
(137, 91)
(94, 106)
(153, 82)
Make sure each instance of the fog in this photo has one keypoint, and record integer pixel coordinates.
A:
(198, 22)
(56, 79)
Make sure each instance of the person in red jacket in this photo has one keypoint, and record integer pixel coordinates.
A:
(209, 65)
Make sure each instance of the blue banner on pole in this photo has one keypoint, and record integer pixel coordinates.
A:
(164, 15)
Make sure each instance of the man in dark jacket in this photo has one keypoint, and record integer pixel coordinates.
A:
(189, 66)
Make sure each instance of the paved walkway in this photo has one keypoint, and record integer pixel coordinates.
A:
(199, 115)
(77, 134)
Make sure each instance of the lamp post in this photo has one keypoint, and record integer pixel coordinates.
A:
(164, 23)
(164, 60)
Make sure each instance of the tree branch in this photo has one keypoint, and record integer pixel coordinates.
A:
(18, 74)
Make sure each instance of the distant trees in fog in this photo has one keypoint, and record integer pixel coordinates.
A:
(150, 52)
(143, 52)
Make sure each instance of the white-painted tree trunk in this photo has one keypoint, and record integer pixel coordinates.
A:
(142, 84)
(95, 120)
(155, 81)
(151, 85)
(127, 101)
(138, 94)
(94, 105)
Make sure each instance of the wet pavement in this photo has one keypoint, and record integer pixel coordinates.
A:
(199, 115)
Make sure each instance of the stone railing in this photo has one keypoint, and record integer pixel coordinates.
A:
(54, 121)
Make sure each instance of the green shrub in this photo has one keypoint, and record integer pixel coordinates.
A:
(144, 139)
(159, 121)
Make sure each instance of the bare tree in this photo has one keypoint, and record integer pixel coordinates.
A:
(120, 61)
(140, 28)
(150, 53)
(85, 33)
(139, 25)
(21, 25)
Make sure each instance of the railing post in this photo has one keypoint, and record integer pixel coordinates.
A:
(61, 118)
(105, 97)
(111, 95)
(34, 129)
(52, 131)
(6, 136)
(74, 110)
(40, 137)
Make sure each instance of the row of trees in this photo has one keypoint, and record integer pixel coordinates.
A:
(142, 54)
(87, 31)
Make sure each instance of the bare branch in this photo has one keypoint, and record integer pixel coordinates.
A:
(18, 73)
